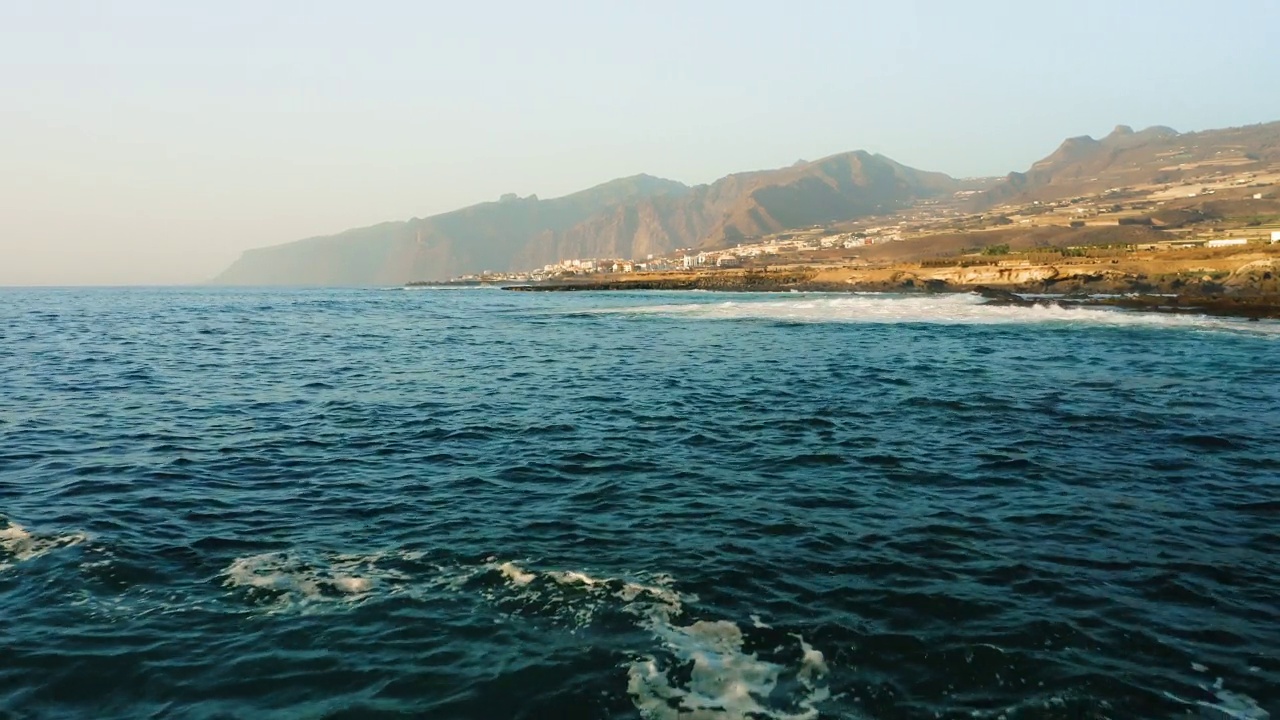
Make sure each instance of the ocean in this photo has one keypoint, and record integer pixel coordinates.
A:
(220, 503)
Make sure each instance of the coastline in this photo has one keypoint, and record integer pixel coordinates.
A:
(1247, 292)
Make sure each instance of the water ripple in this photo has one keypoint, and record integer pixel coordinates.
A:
(244, 503)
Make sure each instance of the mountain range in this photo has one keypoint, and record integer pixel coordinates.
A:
(1083, 165)
(641, 215)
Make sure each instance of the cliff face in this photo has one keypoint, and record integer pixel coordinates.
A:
(628, 218)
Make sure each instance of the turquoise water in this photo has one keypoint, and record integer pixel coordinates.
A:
(482, 504)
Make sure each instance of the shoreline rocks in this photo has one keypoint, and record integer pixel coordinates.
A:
(1249, 300)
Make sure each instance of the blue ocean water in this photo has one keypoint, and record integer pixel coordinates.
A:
(482, 504)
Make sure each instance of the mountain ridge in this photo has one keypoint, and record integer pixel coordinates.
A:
(628, 217)
(639, 215)
(1158, 154)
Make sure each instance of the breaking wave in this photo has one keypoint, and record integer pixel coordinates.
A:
(17, 545)
(289, 581)
(957, 309)
(691, 668)
(1224, 703)
(699, 669)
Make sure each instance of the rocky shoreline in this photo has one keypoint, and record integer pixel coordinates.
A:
(1243, 296)
(1262, 307)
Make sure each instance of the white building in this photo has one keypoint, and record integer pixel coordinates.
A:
(1227, 243)
(1275, 236)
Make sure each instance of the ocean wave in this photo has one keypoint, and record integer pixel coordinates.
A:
(901, 497)
(576, 598)
(17, 545)
(700, 670)
(1224, 703)
(956, 309)
(722, 680)
(292, 581)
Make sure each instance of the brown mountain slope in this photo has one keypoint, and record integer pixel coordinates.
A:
(840, 187)
(627, 218)
(472, 239)
(837, 188)
(1124, 158)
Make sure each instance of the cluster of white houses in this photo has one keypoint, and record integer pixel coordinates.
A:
(688, 259)
(590, 267)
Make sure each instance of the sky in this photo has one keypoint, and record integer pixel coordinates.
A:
(152, 141)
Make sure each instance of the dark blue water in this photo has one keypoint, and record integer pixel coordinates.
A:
(482, 504)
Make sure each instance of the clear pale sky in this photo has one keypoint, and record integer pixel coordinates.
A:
(150, 141)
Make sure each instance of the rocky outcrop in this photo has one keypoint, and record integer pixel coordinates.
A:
(1257, 307)
(995, 275)
(1000, 296)
(1258, 277)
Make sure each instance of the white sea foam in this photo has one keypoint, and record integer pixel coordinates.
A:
(285, 581)
(18, 545)
(1228, 706)
(952, 309)
(573, 598)
(724, 682)
(1232, 705)
(512, 572)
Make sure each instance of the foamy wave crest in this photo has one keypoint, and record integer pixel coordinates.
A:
(1232, 705)
(700, 670)
(1225, 704)
(284, 581)
(689, 669)
(723, 680)
(953, 309)
(572, 599)
(18, 545)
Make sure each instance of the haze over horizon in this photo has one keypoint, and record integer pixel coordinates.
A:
(147, 143)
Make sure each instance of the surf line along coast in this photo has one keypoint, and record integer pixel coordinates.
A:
(1244, 294)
